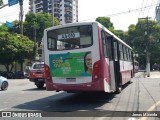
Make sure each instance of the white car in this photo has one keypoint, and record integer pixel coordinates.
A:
(3, 83)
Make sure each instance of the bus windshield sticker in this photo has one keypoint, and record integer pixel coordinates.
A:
(71, 64)
(68, 36)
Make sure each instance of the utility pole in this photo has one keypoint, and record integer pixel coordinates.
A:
(35, 31)
(147, 51)
(52, 12)
(35, 27)
(147, 48)
(21, 16)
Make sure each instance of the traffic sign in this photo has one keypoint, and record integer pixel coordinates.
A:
(9, 24)
(12, 2)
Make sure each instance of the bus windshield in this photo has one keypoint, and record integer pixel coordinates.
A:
(69, 38)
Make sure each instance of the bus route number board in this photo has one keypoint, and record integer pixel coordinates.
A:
(68, 36)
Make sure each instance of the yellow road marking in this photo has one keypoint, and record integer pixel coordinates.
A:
(151, 109)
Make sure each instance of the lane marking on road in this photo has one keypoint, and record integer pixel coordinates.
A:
(151, 109)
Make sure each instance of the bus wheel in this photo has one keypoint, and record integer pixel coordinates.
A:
(118, 89)
(40, 85)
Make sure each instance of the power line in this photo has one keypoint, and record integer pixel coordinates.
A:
(126, 12)
(145, 6)
(10, 14)
(141, 8)
(149, 8)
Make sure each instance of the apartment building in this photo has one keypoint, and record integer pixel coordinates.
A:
(66, 11)
(157, 16)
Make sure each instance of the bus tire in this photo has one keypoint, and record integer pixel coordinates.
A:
(118, 90)
(40, 85)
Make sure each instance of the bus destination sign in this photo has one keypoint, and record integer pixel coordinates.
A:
(68, 36)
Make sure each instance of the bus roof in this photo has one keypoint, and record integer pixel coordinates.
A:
(86, 23)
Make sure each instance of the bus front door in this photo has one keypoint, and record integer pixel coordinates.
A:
(114, 65)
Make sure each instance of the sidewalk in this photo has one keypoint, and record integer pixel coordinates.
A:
(154, 74)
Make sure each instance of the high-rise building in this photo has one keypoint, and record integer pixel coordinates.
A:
(157, 16)
(66, 11)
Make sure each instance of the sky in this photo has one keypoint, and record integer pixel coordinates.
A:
(121, 12)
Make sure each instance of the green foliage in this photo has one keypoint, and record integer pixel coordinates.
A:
(105, 21)
(3, 28)
(121, 34)
(39, 21)
(14, 47)
(137, 39)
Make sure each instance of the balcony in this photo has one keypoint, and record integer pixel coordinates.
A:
(70, 1)
(58, 1)
(39, 10)
(68, 9)
(57, 10)
(68, 20)
(67, 5)
(57, 15)
(38, 2)
(69, 16)
(39, 6)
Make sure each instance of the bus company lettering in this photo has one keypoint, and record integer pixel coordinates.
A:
(59, 63)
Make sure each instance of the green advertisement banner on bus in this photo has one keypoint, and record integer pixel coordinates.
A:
(71, 64)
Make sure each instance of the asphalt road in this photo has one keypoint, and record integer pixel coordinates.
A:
(142, 94)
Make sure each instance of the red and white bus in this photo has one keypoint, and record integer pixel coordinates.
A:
(86, 57)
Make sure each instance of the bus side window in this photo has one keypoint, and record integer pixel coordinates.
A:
(106, 45)
(124, 52)
(115, 51)
(121, 51)
(109, 50)
(130, 58)
(104, 42)
(127, 54)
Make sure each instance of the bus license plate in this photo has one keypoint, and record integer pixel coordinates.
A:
(71, 79)
(40, 80)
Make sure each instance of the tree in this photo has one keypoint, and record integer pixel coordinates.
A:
(7, 49)
(121, 34)
(105, 21)
(14, 47)
(137, 39)
(4, 28)
(40, 20)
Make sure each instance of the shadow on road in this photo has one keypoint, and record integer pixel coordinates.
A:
(68, 102)
(126, 85)
(36, 89)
